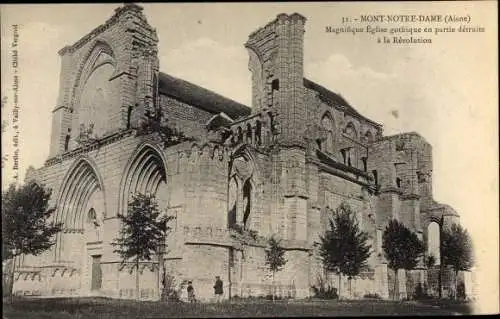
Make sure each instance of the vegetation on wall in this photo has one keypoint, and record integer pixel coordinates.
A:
(158, 124)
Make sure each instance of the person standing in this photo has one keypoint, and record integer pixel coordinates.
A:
(218, 289)
(190, 291)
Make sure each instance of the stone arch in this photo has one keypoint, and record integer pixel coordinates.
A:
(145, 173)
(214, 153)
(233, 195)
(258, 132)
(240, 134)
(88, 64)
(433, 241)
(95, 94)
(82, 189)
(81, 178)
(350, 130)
(242, 153)
(247, 202)
(257, 70)
(328, 124)
(368, 136)
(194, 152)
(244, 172)
(248, 134)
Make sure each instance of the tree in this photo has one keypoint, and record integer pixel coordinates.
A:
(457, 250)
(27, 227)
(143, 233)
(402, 249)
(157, 123)
(344, 247)
(275, 257)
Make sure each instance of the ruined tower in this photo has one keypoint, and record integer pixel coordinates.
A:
(116, 77)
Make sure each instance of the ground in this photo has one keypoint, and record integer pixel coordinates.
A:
(111, 308)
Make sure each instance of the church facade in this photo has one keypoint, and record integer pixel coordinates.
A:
(279, 167)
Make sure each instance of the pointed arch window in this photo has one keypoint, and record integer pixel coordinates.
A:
(247, 203)
(233, 201)
(249, 134)
(327, 125)
(240, 134)
(258, 132)
(368, 137)
(67, 139)
(350, 131)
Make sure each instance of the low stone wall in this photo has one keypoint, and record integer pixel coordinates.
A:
(51, 281)
(246, 290)
(60, 281)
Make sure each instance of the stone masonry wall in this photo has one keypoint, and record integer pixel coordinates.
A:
(189, 119)
(125, 37)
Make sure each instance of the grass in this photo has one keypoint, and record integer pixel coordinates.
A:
(104, 308)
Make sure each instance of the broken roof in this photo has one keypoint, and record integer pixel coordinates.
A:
(195, 95)
(214, 103)
(335, 99)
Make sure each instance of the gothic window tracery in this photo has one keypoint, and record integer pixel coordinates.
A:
(240, 134)
(350, 131)
(96, 99)
(232, 201)
(241, 193)
(258, 132)
(327, 125)
(247, 202)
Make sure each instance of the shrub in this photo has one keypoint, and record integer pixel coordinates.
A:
(372, 296)
(323, 292)
(270, 297)
(421, 293)
(171, 289)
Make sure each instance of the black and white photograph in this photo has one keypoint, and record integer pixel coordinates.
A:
(267, 159)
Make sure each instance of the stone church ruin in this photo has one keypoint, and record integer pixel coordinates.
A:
(279, 167)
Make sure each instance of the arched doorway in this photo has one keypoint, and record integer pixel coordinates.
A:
(81, 209)
(433, 242)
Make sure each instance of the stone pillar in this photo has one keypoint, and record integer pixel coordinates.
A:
(381, 279)
(61, 115)
(468, 284)
(402, 284)
(240, 205)
(296, 273)
(254, 140)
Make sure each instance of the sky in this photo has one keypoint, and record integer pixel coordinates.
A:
(446, 91)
